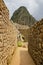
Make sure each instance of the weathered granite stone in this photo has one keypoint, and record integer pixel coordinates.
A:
(8, 35)
(35, 40)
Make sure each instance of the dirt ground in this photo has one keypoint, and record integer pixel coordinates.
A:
(22, 57)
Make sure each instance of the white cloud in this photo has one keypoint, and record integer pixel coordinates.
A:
(33, 6)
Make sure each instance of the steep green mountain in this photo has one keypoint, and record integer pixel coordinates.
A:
(22, 16)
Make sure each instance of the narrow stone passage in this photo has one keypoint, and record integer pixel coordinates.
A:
(22, 57)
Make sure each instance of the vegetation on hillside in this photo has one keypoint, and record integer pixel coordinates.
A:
(22, 16)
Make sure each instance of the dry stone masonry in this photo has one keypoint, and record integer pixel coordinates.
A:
(23, 30)
(8, 35)
(35, 46)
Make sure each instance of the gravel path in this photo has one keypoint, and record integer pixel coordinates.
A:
(22, 57)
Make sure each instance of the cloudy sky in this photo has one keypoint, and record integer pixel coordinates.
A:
(35, 7)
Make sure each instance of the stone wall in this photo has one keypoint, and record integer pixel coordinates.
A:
(35, 40)
(23, 29)
(8, 36)
(24, 32)
(4, 9)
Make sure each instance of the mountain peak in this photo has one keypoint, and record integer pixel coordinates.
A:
(23, 7)
(22, 16)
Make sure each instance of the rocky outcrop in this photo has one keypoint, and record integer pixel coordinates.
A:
(8, 35)
(35, 40)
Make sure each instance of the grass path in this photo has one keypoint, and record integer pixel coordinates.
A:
(22, 57)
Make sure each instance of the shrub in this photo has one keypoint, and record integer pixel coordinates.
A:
(19, 44)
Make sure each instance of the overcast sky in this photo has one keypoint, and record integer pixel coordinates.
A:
(35, 7)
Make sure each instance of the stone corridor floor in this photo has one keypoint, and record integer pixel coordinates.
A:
(22, 57)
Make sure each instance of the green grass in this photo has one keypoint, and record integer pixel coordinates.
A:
(19, 44)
